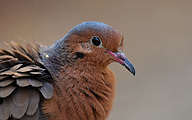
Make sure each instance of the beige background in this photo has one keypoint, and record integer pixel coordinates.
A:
(158, 41)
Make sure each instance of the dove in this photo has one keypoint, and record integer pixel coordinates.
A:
(69, 80)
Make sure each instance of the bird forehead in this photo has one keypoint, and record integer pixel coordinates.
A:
(85, 31)
(90, 26)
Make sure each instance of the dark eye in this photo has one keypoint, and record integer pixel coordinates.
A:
(96, 41)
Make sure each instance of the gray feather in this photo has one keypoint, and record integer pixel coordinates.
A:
(35, 83)
(33, 102)
(23, 82)
(46, 90)
(6, 91)
(6, 82)
(33, 117)
(21, 101)
(19, 111)
(20, 96)
(6, 108)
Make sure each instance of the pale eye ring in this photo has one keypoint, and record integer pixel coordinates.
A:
(95, 40)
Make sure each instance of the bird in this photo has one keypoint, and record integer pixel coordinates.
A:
(69, 80)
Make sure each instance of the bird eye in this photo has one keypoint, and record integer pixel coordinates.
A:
(96, 41)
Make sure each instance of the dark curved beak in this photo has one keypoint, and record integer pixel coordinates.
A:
(122, 59)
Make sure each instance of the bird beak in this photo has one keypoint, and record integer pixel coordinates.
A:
(122, 59)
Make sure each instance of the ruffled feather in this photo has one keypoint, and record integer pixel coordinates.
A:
(23, 79)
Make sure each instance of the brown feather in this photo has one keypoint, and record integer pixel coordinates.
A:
(94, 103)
(25, 69)
(36, 73)
(72, 109)
(7, 72)
(16, 67)
(12, 47)
(37, 46)
(4, 64)
(18, 75)
(6, 57)
(2, 77)
(32, 51)
(98, 93)
(22, 56)
(11, 70)
(30, 68)
(6, 52)
(6, 91)
(78, 106)
(19, 47)
(13, 61)
(1, 52)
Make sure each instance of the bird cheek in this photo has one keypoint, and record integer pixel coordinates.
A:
(85, 47)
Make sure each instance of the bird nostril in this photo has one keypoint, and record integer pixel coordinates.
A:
(120, 56)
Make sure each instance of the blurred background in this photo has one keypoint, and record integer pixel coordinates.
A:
(158, 41)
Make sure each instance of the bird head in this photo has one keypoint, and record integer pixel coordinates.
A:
(94, 43)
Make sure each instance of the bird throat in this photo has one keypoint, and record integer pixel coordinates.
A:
(81, 94)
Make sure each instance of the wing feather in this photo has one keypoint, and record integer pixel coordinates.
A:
(21, 101)
(23, 79)
(46, 90)
(23, 82)
(35, 83)
(33, 103)
(6, 91)
(6, 108)
(6, 82)
(35, 116)
(21, 96)
(19, 111)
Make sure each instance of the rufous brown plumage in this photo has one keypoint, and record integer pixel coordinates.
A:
(69, 80)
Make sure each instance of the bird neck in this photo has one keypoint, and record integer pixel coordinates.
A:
(81, 92)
